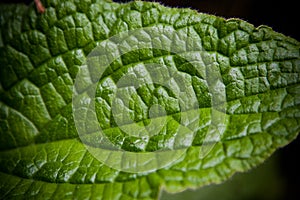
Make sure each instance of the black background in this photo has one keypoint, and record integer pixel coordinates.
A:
(283, 17)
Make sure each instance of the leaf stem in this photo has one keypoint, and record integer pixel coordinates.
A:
(39, 6)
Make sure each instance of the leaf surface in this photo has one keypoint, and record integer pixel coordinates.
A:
(41, 153)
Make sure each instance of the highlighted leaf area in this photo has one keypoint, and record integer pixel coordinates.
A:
(101, 100)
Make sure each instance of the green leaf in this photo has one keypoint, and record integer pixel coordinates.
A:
(223, 95)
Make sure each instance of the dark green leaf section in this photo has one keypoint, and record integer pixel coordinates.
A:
(41, 156)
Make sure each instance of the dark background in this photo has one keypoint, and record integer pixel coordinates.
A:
(283, 17)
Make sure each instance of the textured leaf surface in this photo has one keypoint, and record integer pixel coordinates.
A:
(40, 55)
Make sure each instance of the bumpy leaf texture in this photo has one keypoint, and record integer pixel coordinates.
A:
(41, 153)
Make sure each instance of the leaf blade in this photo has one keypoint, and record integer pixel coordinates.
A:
(247, 57)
